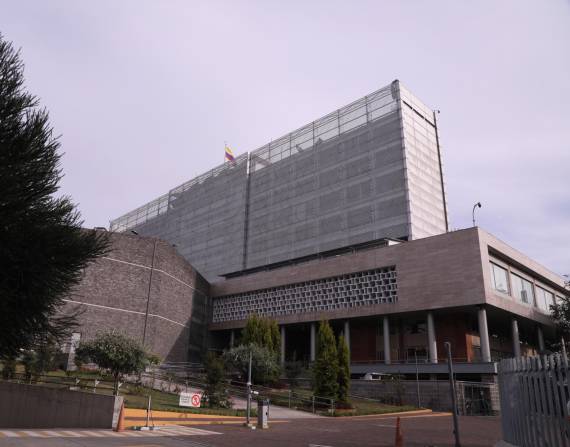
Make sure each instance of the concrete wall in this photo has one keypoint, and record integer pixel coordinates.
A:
(450, 270)
(432, 273)
(120, 289)
(32, 406)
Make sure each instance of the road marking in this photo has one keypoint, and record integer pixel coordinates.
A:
(9, 434)
(71, 434)
(92, 434)
(319, 445)
(170, 431)
(33, 434)
(382, 425)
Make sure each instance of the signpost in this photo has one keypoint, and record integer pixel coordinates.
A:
(190, 400)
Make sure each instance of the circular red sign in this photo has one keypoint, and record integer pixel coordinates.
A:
(196, 400)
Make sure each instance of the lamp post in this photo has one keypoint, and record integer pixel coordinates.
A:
(477, 205)
(453, 395)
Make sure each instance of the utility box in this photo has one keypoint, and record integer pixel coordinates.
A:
(263, 413)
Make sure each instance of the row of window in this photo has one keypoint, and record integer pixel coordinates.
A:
(520, 288)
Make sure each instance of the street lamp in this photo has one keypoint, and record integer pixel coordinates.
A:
(477, 205)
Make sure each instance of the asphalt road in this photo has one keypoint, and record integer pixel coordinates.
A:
(425, 430)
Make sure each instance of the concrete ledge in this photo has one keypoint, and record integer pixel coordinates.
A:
(36, 406)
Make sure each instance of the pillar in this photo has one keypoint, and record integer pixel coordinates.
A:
(432, 343)
(516, 339)
(282, 345)
(313, 341)
(541, 347)
(346, 334)
(386, 327)
(484, 335)
(232, 338)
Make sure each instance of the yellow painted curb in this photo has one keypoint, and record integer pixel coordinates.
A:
(400, 414)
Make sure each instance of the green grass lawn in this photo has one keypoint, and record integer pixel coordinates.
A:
(363, 407)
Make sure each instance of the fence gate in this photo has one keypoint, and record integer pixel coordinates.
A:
(534, 401)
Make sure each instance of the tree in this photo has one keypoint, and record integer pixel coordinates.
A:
(265, 367)
(561, 316)
(216, 393)
(343, 377)
(263, 332)
(116, 353)
(325, 368)
(43, 248)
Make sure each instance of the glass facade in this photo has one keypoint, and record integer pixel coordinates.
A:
(367, 171)
(522, 289)
(428, 212)
(499, 278)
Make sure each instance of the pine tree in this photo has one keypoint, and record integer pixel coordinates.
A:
(325, 368)
(343, 377)
(263, 332)
(43, 248)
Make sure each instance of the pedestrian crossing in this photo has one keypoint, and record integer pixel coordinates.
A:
(79, 433)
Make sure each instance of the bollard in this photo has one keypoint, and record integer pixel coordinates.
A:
(263, 413)
(399, 442)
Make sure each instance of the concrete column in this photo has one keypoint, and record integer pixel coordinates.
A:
(541, 347)
(232, 338)
(346, 334)
(313, 341)
(432, 343)
(282, 345)
(516, 339)
(484, 335)
(386, 327)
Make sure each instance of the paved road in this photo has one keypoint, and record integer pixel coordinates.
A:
(424, 430)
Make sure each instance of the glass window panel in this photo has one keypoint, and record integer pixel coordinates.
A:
(499, 279)
(544, 299)
(522, 289)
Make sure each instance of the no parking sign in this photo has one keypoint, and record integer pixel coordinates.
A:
(189, 400)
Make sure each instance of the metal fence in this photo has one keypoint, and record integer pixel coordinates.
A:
(534, 401)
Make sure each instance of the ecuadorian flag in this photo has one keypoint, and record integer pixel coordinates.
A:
(229, 155)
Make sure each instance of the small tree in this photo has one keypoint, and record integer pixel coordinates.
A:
(265, 367)
(560, 313)
(115, 352)
(325, 368)
(343, 377)
(262, 332)
(216, 393)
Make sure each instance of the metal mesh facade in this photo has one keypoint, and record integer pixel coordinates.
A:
(367, 288)
(340, 180)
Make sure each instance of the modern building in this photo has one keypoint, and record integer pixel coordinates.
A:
(367, 171)
(398, 303)
(344, 219)
(143, 288)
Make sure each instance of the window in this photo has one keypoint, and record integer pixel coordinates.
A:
(522, 289)
(499, 279)
(544, 299)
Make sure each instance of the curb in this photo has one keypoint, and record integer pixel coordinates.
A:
(398, 414)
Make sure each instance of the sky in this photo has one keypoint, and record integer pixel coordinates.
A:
(144, 93)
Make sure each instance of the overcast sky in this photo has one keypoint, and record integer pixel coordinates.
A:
(144, 93)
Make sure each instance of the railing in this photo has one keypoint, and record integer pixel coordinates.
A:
(535, 397)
